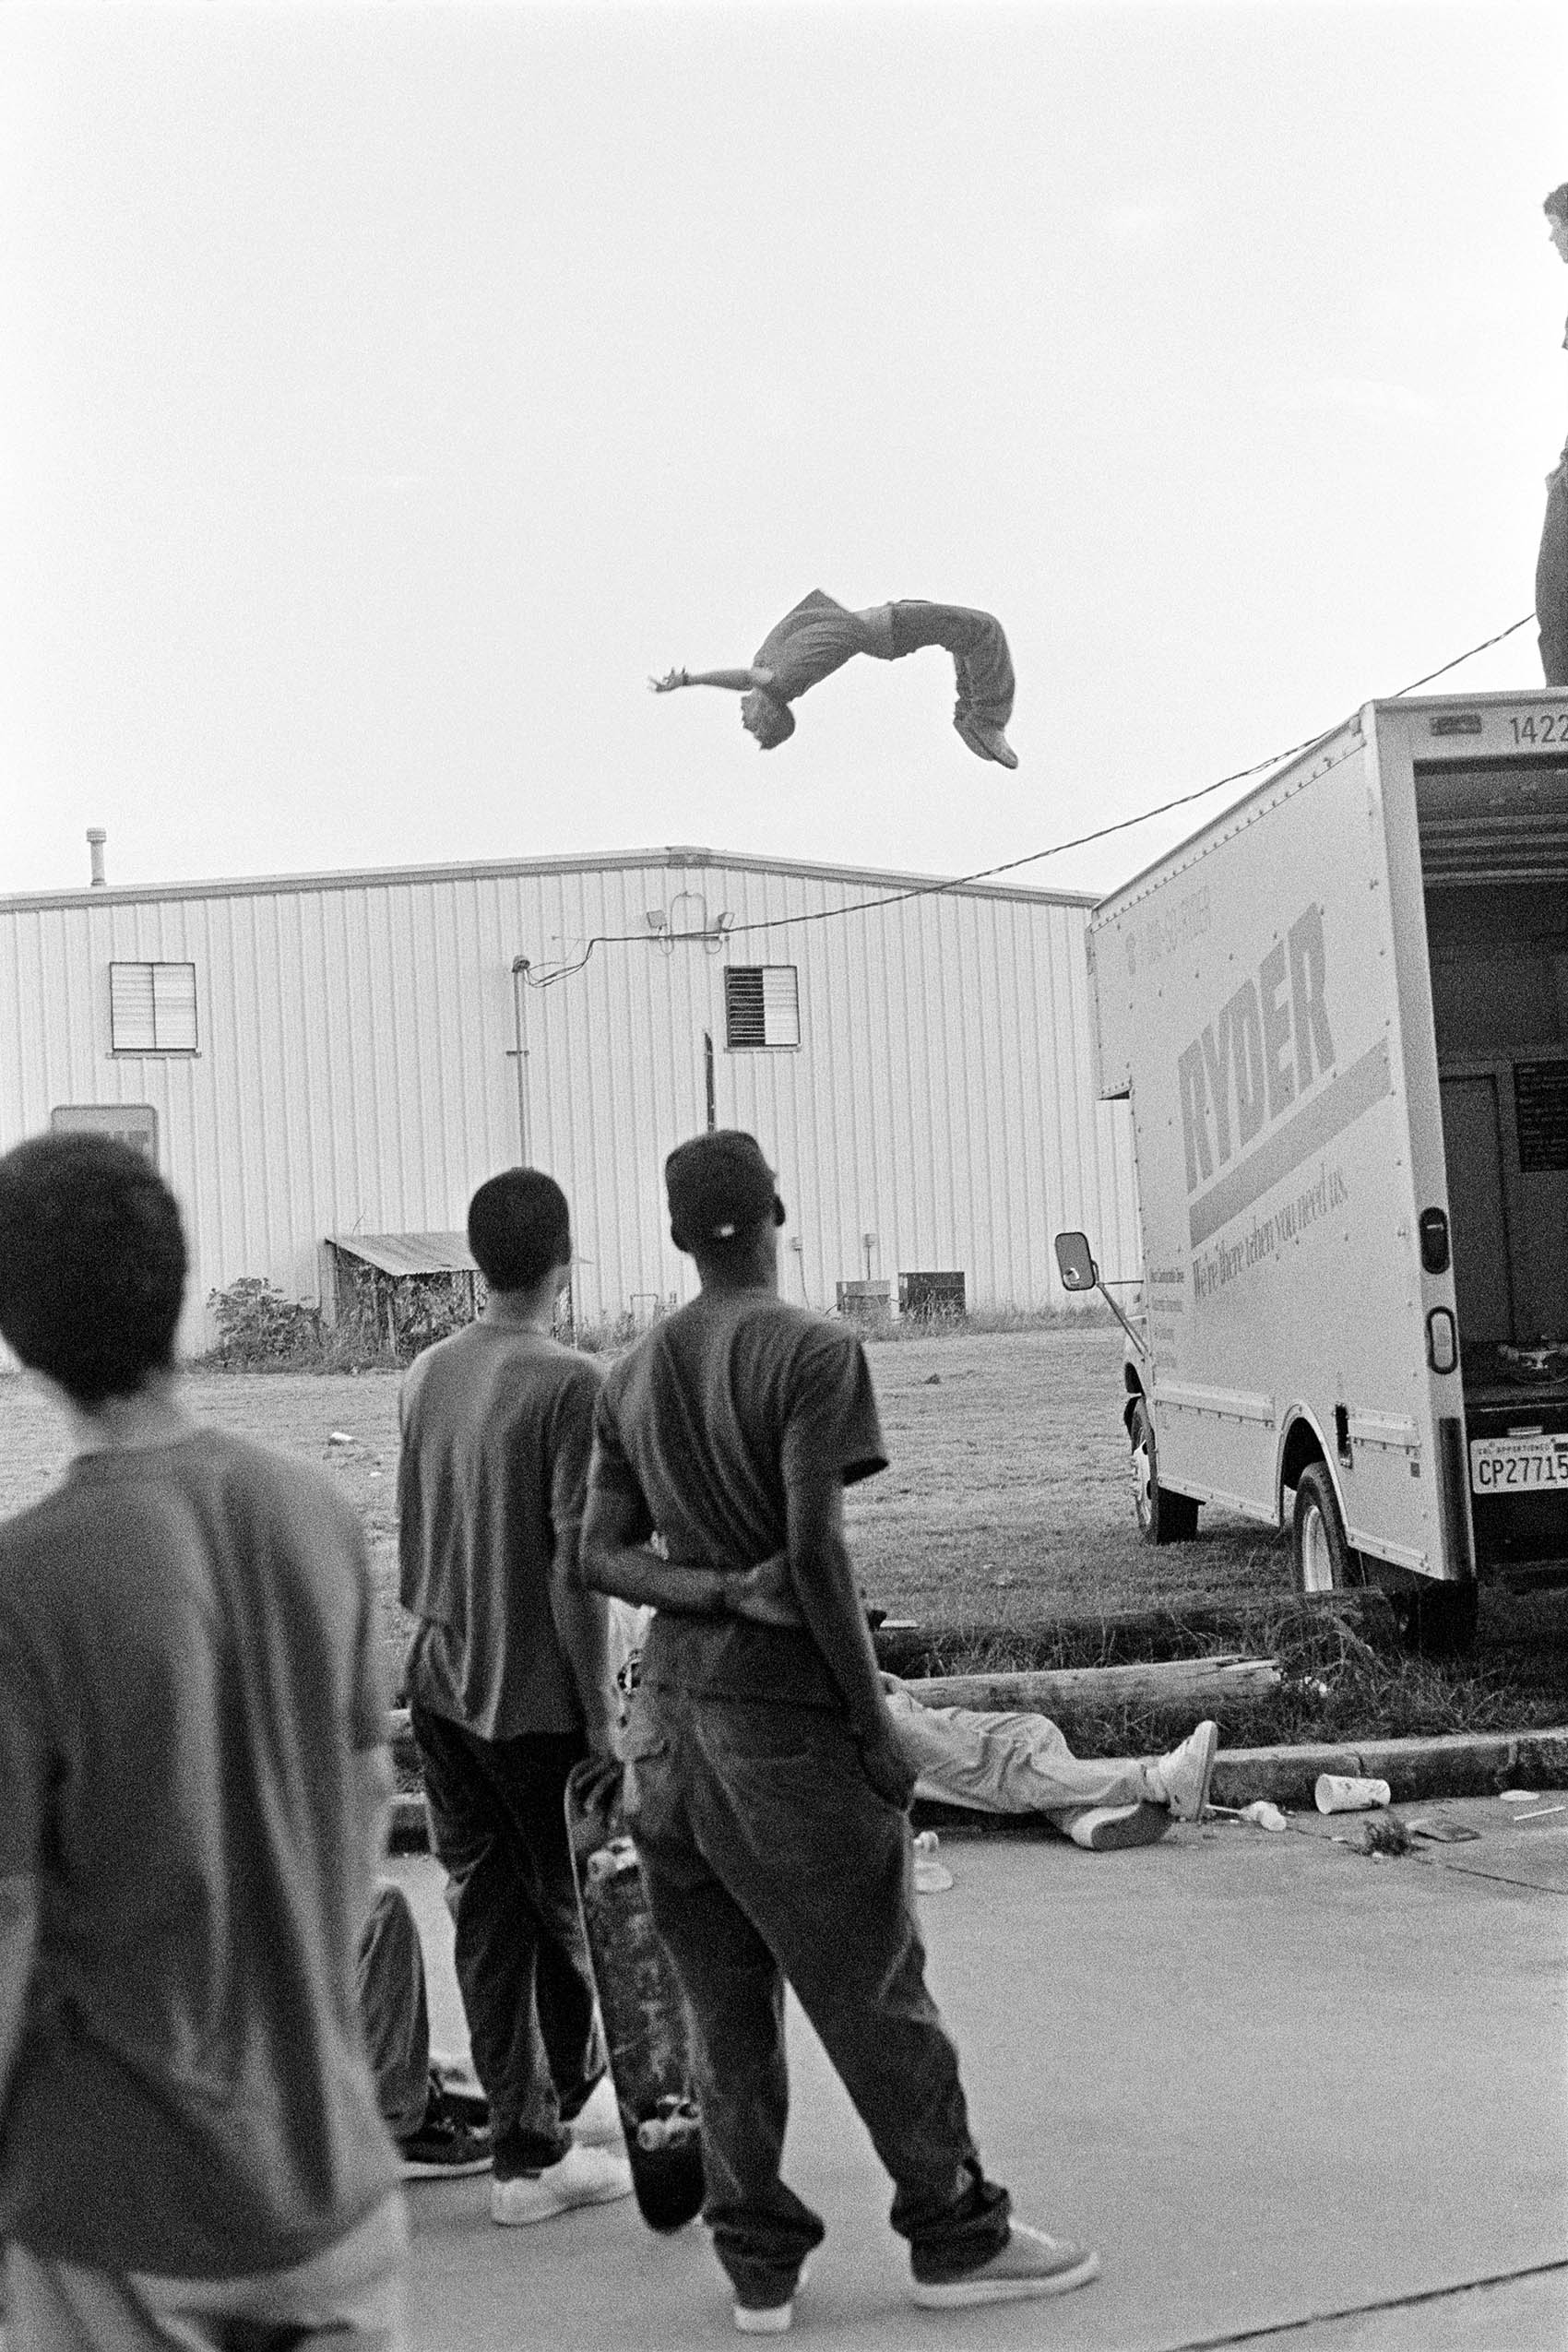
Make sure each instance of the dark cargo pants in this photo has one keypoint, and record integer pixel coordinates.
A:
(768, 1856)
(498, 1826)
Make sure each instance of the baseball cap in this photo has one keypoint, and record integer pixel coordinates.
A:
(719, 1185)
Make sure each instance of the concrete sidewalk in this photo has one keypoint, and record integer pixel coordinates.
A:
(1272, 2080)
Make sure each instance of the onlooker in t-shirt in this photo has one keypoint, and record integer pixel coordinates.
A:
(765, 1785)
(192, 1775)
(817, 636)
(1551, 566)
(510, 1685)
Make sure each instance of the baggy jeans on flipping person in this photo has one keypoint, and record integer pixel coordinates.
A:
(768, 1857)
(499, 1830)
(1552, 579)
(981, 658)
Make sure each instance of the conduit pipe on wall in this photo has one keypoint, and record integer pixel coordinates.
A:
(520, 1053)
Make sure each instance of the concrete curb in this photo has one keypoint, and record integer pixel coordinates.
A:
(1467, 1765)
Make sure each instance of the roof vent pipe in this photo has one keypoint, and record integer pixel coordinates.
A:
(96, 838)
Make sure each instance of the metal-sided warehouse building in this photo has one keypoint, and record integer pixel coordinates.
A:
(326, 1066)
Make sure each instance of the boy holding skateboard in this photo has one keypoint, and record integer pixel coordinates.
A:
(510, 1686)
(765, 1785)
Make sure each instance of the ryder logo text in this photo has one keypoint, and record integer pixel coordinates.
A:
(1259, 1053)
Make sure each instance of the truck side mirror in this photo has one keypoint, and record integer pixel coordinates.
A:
(1074, 1261)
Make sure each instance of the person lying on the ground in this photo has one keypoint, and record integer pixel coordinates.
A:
(819, 635)
(1001, 1762)
(1021, 1763)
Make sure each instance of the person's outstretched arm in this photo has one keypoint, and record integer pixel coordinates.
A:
(736, 682)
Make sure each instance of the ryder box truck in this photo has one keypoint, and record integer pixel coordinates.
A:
(1340, 1016)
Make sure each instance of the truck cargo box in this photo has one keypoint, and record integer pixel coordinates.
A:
(1340, 1013)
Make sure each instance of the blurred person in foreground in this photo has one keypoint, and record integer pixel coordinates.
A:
(766, 1789)
(509, 1684)
(1551, 565)
(193, 1778)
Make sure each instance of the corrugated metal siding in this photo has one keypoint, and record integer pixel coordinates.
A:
(356, 1065)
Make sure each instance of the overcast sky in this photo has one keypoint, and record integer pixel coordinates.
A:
(385, 391)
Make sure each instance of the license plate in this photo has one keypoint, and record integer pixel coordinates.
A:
(1513, 1465)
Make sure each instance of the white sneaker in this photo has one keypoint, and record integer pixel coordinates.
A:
(1182, 1776)
(596, 2125)
(1029, 2265)
(582, 2177)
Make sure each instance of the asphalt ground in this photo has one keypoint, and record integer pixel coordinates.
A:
(1296, 2095)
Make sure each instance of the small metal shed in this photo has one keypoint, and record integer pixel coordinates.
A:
(396, 1259)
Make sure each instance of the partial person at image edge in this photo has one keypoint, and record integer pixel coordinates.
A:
(1551, 565)
(193, 1776)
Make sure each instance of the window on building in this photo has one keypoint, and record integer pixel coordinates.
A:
(762, 1007)
(152, 1008)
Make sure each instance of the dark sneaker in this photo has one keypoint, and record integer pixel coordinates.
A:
(1108, 1829)
(1029, 2265)
(459, 2093)
(445, 2146)
(769, 2319)
(985, 741)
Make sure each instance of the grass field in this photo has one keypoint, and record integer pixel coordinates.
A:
(1004, 1525)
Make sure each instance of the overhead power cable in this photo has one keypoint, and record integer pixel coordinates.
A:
(564, 969)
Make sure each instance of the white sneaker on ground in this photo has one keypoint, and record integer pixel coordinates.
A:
(1107, 1829)
(597, 2124)
(582, 2177)
(1182, 1776)
(1029, 2265)
(769, 2319)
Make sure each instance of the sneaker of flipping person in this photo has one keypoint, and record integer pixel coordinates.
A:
(1182, 1778)
(1029, 2265)
(449, 2143)
(769, 2319)
(987, 741)
(584, 2176)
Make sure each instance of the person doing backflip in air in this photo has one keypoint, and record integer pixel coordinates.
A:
(818, 636)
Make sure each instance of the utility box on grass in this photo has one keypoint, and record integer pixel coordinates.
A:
(1340, 1013)
(869, 1304)
(931, 1294)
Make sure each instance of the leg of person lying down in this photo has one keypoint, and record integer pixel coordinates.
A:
(1013, 1764)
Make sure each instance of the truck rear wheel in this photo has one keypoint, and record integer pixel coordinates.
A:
(1322, 1561)
(1162, 1517)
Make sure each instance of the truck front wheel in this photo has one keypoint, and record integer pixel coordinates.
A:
(1322, 1559)
(1162, 1517)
